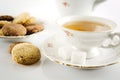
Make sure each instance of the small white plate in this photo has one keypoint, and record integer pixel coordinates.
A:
(23, 38)
(19, 37)
(107, 57)
(26, 36)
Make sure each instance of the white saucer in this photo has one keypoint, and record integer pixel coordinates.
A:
(107, 57)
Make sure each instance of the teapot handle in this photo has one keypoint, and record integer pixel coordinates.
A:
(113, 41)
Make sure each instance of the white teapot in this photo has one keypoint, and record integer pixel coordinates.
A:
(76, 7)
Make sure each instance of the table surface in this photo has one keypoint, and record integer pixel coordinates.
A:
(48, 70)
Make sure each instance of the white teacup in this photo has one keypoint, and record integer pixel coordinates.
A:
(75, 7)
(87, 40)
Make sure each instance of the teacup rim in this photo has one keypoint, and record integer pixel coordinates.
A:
(95, 17)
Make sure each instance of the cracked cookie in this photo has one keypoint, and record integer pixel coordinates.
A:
(26, 54)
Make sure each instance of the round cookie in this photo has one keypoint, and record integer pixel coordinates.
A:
(2, 23)
(33, 28)
(6, 18)
(24, 19)
(14, 30)
(26, 54)
(31, 20)
(1, 32)
(14, 44)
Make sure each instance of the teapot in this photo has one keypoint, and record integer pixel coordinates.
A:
(76, 7)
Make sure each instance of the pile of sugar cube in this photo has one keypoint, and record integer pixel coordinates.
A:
(72, 54)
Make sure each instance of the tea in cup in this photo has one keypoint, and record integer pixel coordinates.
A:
(86, 33)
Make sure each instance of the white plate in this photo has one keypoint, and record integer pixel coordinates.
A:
(19, 37)
(107, 57)
(22, 37)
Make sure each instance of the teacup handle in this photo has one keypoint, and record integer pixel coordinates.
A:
(112, 41)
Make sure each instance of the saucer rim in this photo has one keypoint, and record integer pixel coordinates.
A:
(58, 61)
(79, 66)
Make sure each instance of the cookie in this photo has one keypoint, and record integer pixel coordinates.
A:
(24, 19)
(26, 54)
(14, 44)
(31, 20)
(1, 33)
(2, 23)
(21, 19)
(14, 30)
(6, 18)
(33, 28)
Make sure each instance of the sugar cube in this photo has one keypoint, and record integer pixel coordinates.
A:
(65, 52)
(78, 57)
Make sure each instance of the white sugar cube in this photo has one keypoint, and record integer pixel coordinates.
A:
(116, 40)
(78, 57)
(106, 43)
(65, 52)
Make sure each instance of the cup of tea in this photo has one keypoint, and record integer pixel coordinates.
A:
(87, 32)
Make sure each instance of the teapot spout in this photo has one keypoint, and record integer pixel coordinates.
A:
(97, 2)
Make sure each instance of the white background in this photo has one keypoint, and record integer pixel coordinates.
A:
(47, 70)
